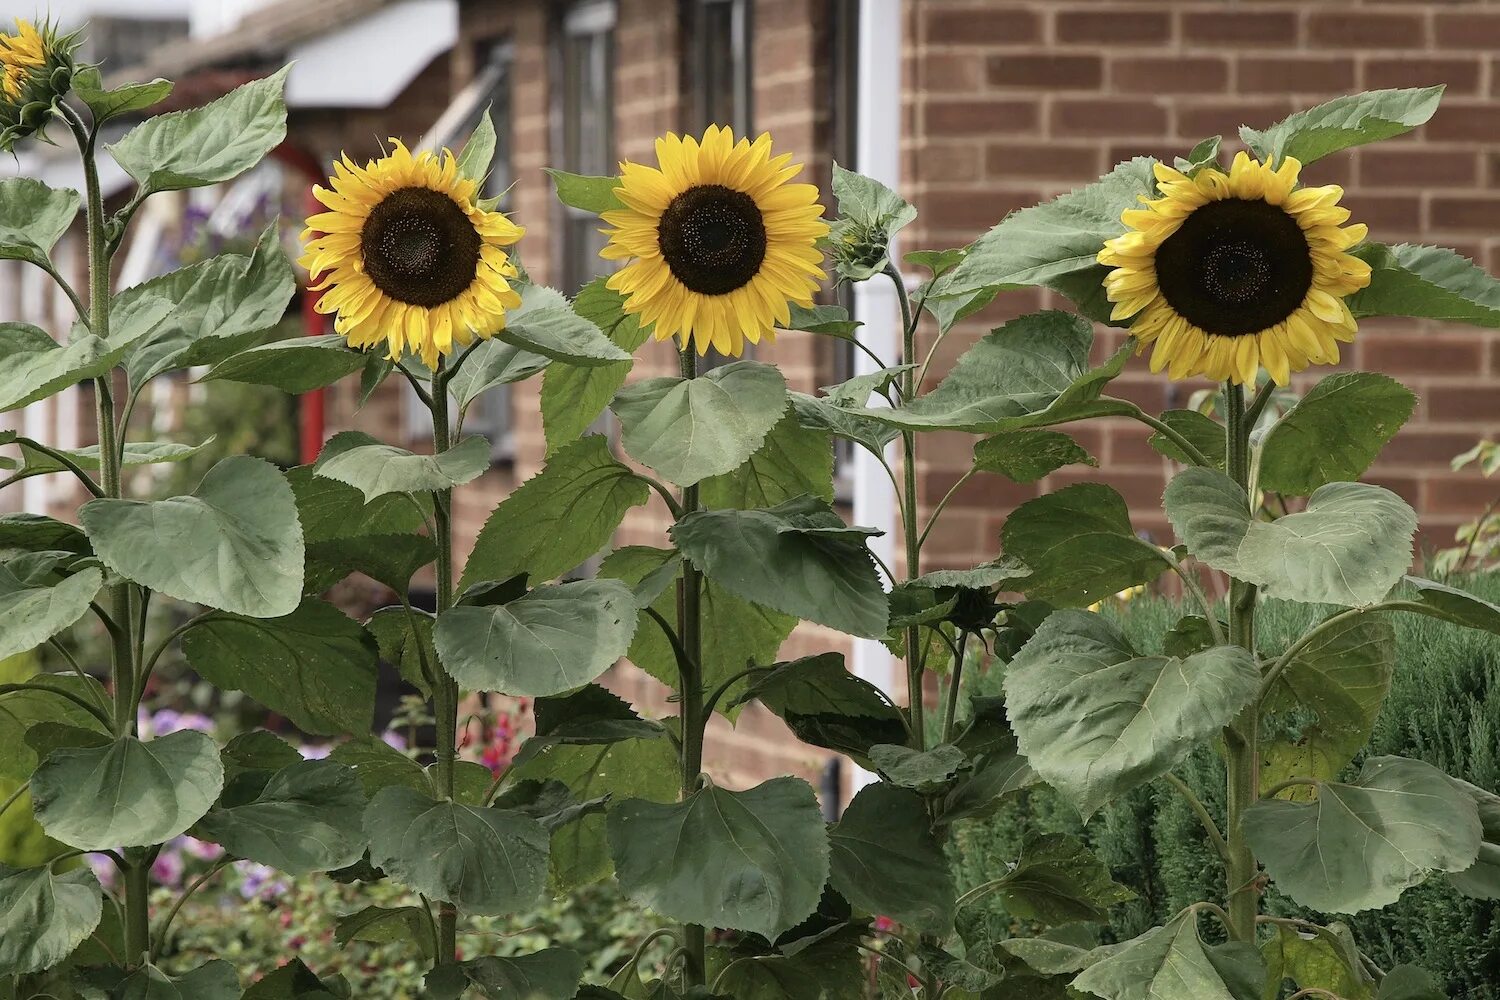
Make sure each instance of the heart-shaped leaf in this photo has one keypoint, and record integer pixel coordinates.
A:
(488, 861)
(825, 705)
(379, 469)
(1057, 880)
(129, 793)
(1450, 604)
(43, 916)
(308, 818)
(1095, 720)
(34, 613)
(559, 333)
(33, 217)
(383, 925)
(753, 861)
(297, 365)
(1173, 963)
(549, 974)
(798, 557)
(1426, 282)
(573, 396)
(37, 366)
(793, 461)
(1334, 432)
(551, 640)
(1359, 846)
(1026, 456)
(690, 429)
(885, 859)
(1349, 547)
(234, 544)
(316, 665)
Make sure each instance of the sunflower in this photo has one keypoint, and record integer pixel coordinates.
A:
(408, 257)
(718, 243)
(36, 71)
(1228, 273)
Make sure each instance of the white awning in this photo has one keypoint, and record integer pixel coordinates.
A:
(367, 64)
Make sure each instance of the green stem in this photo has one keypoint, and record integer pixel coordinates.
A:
(14, 796)
(1201, 811)
(444, 687)
(198, 883)
(137, 912)
(1241, 737)
(75, 698)
(942, 504)
(955, 684)
(1172, 434)
(1328, 624)
(66, 462)
(694, 718)
(1293, 782)
(910, 531)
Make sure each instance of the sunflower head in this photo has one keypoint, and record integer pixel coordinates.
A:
(408, 258)
(1227, 273)
(718, 242)
(36, 72)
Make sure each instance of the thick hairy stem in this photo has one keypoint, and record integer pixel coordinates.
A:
(1242, 737)
(694, 721)
(910, 530)
(444, 688)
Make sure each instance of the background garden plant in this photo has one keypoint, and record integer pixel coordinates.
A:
(768, 900)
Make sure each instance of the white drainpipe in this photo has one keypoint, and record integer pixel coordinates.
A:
(878, 155)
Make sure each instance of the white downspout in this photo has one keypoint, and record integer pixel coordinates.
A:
(877, 155)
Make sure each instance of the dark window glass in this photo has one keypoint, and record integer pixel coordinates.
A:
(586, 62)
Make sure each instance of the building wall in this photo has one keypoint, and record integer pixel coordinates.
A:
(1013, 102)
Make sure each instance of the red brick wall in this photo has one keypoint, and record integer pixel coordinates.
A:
(1012, 102)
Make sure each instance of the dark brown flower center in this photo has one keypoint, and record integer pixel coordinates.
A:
(419, 247)
(1235, 267)
(713, 238)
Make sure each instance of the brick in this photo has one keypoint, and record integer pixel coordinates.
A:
(1144, 26)
(1048, 72)
(967, 210)
(1415, 448)
(1385, 213)
(1039, 160)
(1463, 403)
(1417, 167)
(1465, 213)
(1361, 29)
(984, 492)
(984, 26)
(1430, 354)
(1461, 76)
(950, 162)
(1283, 74)
(954, 71)
(978, 117)
(1108, 117)
(1194, 121)
(1241, 29)
(1464, 122)
(1170, 75)
(1466, 30)
(1450, 494)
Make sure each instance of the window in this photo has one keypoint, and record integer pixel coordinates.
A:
(844, 102)
(584, 122)
(717, 69)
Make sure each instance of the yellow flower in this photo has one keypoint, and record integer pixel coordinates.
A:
(21, 55)
(408, 257)
(36, 71)
(719, 243)
(1228, 273)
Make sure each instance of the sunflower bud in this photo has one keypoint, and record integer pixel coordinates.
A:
(859, 250)
(36, 73)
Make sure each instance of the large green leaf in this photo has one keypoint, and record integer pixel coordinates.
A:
(1327, 960)
(207, 145)
(218, 306)
(1410, 982)
(378, 469)
(48, 701)
(1202, 432)
(753, 861)
(1056, 240)
(590, 716)
(292, 981)
(299, 364)
(1026, 456)
(1057, 880)
(816, 414)
(135, 453)
(43, 916)
(592, 194)
(558, 518)
(33, 217)
(128, 793)
(316, 665)
(34, 613)
(832, 969)
(1173, 963)
(405, 642)
(234, 544)
(825, 705)
(1334, 433)
(553, 639)
(573, 396)
(308, 818)
(1095, 720)
(384, 925)
(1482, 879)
(330, 510)
(562, 335)
(690, 429)
(1343, 122)
(1349, 547)
(734, 631)
(214, 980)
(1450, 604)
(389, 559)
(36, 366)
(793, 461)
(379, 765)
(1080, 546)
(1031, 372)
(25, 532)
(633, 769)
(1426, 282)
(88, 86)
(1359, 846)
(1334, 687)
(549, 974)
(488, 861)
(885, 859)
